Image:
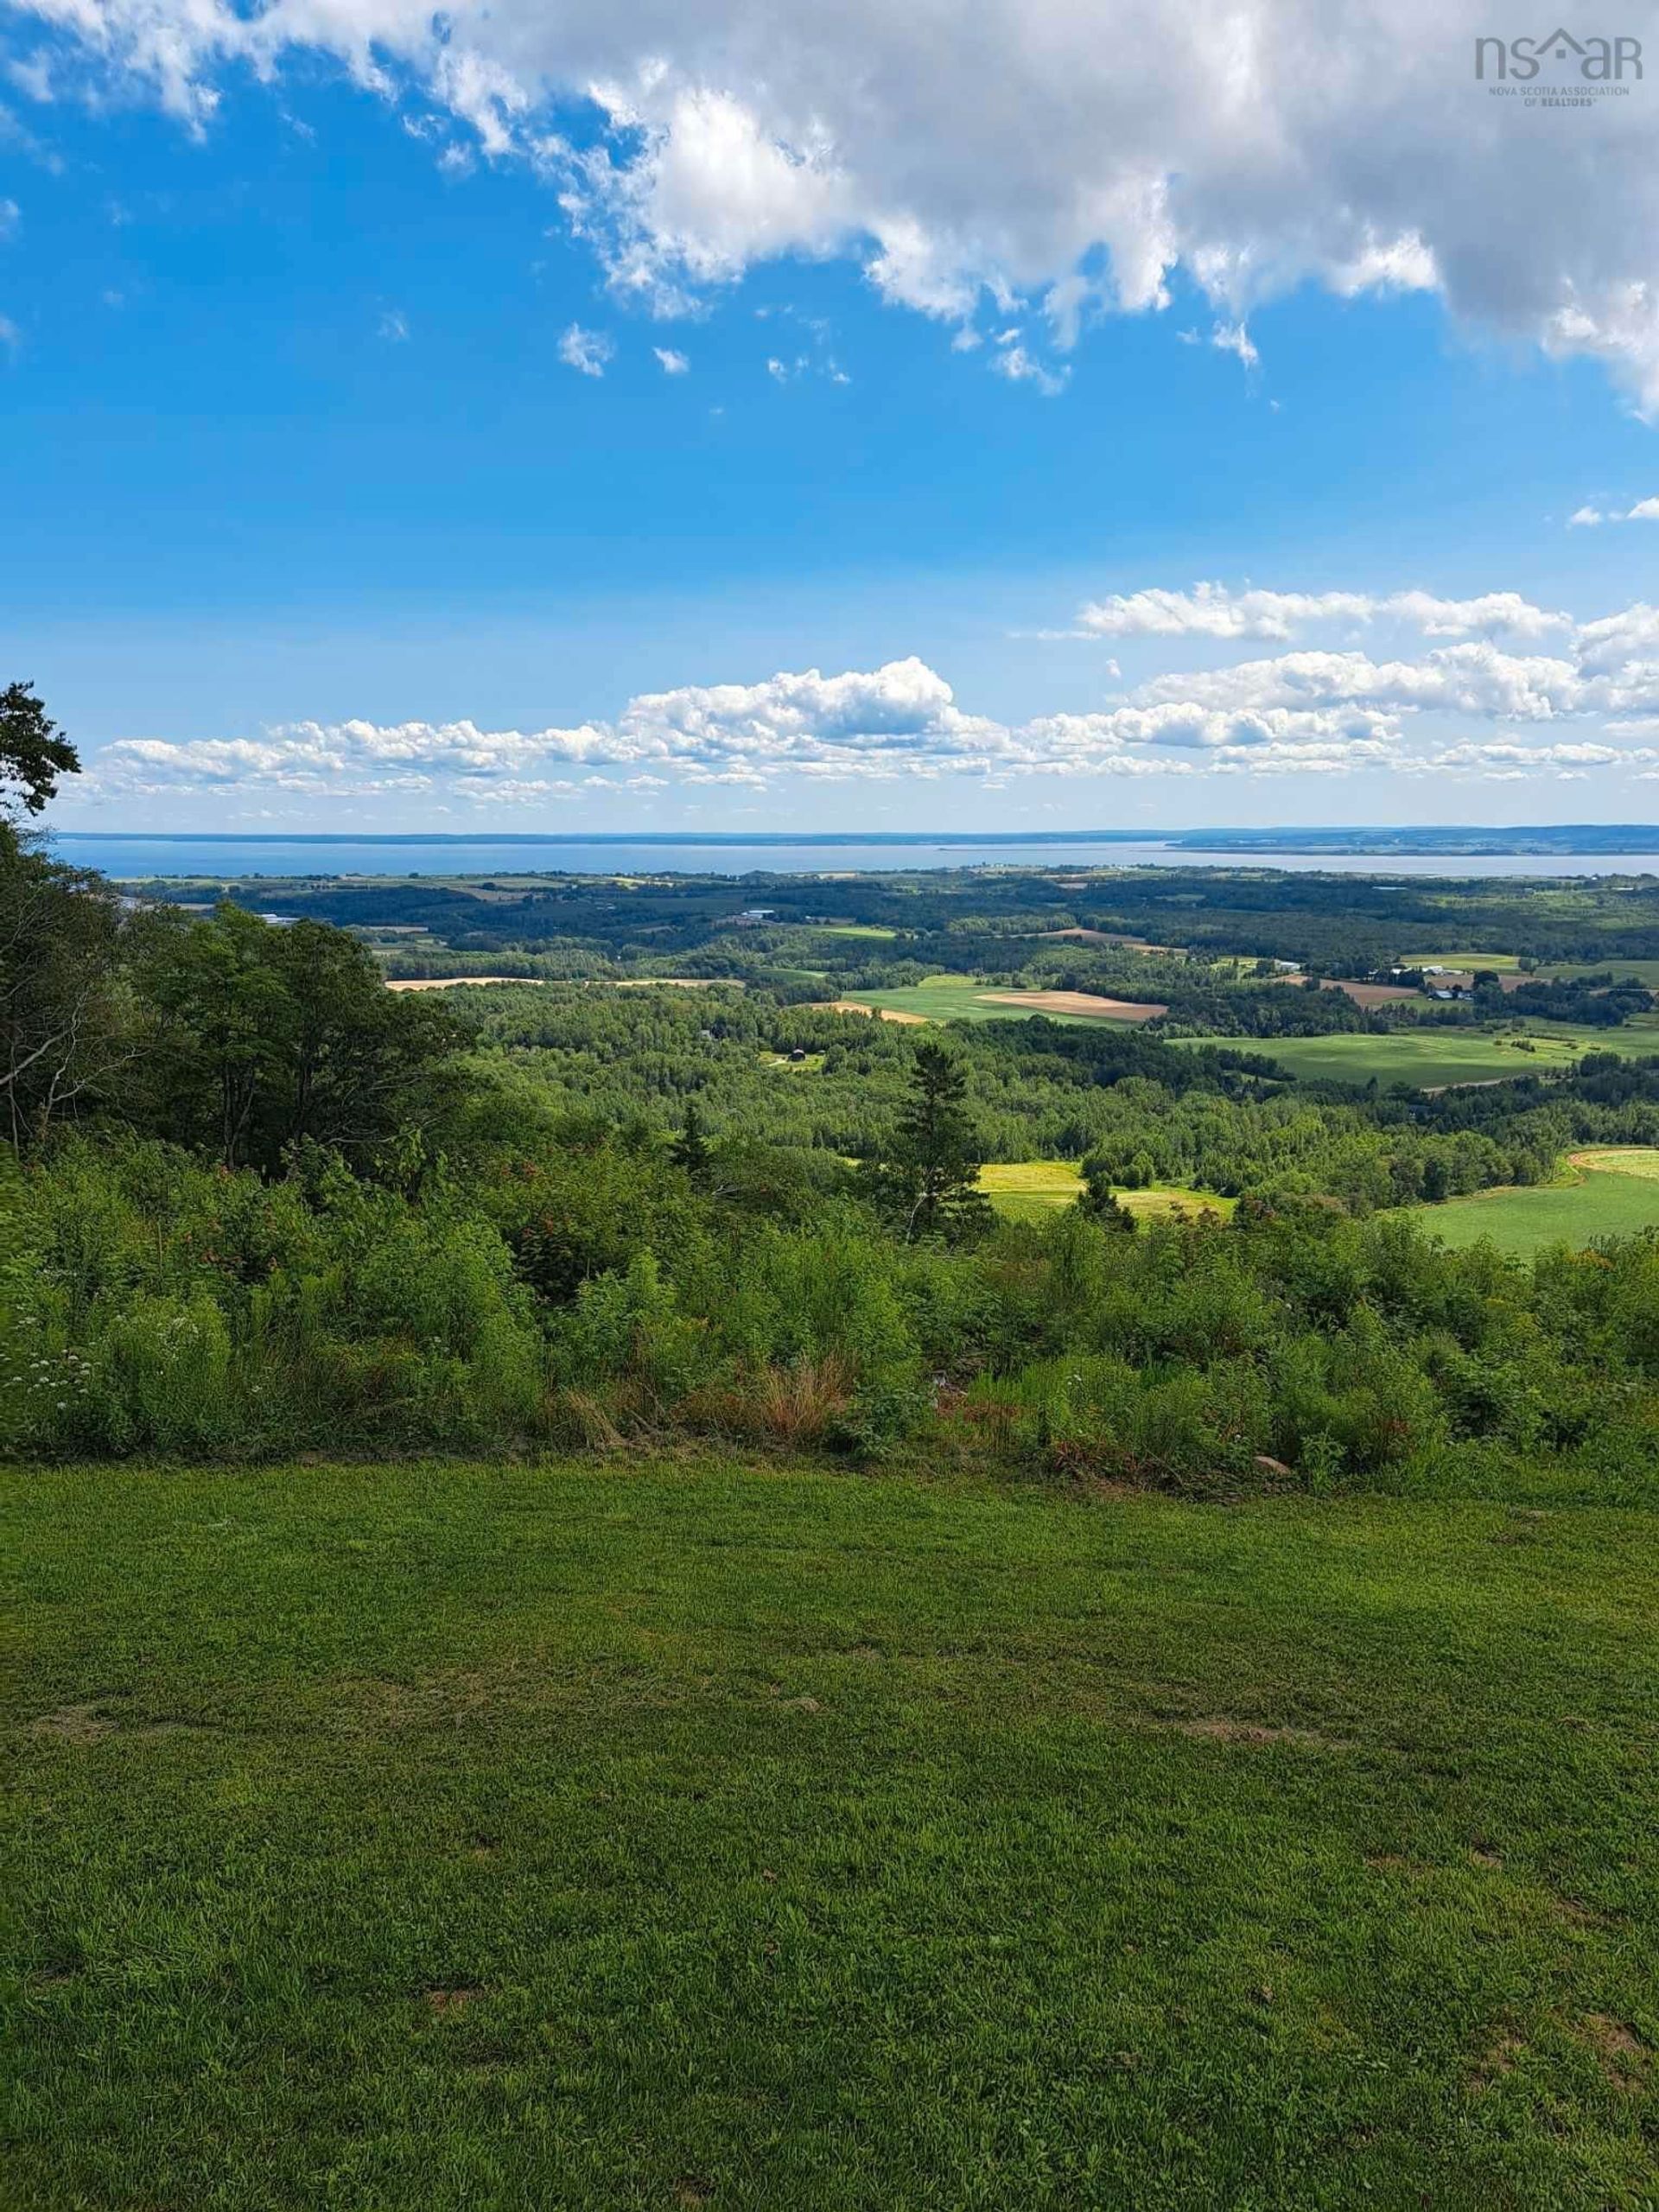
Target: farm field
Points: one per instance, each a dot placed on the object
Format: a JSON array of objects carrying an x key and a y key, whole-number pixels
[
  {"x": 1616, "y": 1193},
  {"x": 1430, "y": 1058},
  {"x": 451, "y": 982},
  {"x": 957, "y": 998},
  {"x": 1028, "y": 1190},
  {"x": 698, "y": 1834},
  {"x": 1645, "y": 971}
]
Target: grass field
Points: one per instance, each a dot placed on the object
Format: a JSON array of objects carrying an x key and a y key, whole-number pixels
[
  {"x": 666, "y": 1836},
  {"x": 1028, "y": 1190},
  {"x": 1429, "y": 1058},
  {"x": 1615, "y": 1193},
  {"x": 1645, "y": 971},
  {"x": 960, "y": 998}
]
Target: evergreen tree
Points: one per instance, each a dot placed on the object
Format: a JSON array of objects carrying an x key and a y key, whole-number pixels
[
  {"x": 931, "y": 1182},
  {"x": 690, "y": 1150},
  {"x": 1099, "y": 1202}
]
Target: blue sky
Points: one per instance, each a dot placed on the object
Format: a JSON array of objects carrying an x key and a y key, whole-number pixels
[{"x": 301, "y": 453}]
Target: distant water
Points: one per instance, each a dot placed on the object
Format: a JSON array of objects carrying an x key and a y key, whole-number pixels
[{"x": 242, "y": 856}]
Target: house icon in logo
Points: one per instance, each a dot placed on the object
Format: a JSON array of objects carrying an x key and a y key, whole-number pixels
[{"x": 1600, "y": 60}]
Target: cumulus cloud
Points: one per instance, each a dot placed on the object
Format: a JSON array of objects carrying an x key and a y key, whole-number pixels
[
  {"x": 1000, "y": 151},
  {"x": 1461, "y": 708},
  {"x": 1212, "y": 610},
  {"x": 672, "y": 364},
  {"x": 586, "y": 351}
]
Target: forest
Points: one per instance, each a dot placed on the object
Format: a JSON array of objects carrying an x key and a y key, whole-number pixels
[{"x": 256, "y": 1201}]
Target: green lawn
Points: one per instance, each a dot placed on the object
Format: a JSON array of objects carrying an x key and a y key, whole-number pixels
[
  {"x": 688, "y": 1835},
  {"x": 1616, "y": 1193},
  {"x": 1426, "y": 1057},
  {"x": 1029, "y": 1190}
]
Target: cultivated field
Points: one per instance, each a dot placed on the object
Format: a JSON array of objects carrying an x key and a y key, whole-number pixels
[
  {"x": 673, "y": 1835},
  {"x": 957, "y": 998},
  {"x": 450, "y": 982},
  {"x": 1615, "y": 1192}
]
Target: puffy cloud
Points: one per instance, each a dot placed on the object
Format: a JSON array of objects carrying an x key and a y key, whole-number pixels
[
  {"x": 1212, "y": 610},
  {"x": 673, "y": 364},
  {"x": 1001, "y": 149},
  {"x": 1306, "y": 711}
]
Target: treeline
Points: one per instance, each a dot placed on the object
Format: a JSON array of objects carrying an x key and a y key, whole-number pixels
[{"x": 223, "y": 1033}]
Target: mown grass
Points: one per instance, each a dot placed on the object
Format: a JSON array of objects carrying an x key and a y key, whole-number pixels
[
  {"x": 1614, "y": 1192},
  {"x": 958, "y": 998},
  {"x": 677, "y": 1835},
  {"x": 1426, "y": 1058},
  {"x": 1031, "y": 1190}
]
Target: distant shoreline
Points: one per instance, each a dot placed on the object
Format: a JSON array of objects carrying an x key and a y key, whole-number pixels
[{"x": 1588, "y": 840}]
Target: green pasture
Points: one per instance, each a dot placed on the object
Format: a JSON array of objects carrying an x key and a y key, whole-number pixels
[
  {"x": 1427, "y": 1057},
  {"x": 1614, "y": 1192}
]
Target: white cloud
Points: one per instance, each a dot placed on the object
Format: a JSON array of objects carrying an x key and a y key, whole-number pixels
[
  {"x": 673, "y": 364},
  {"x": 1032, "y": 151},
  {"x": 1212, "y": 610},
  {"x": 1234, "y": 338},
  {"x": 1587, "y": 518},
  {"x": 33, "y": 77},
  {"x": 393, "y": 327},
  {"x": 586, "y": 351},
  {"x": 1012, "y": 360},
  {"x": 1454, "y": 708}
]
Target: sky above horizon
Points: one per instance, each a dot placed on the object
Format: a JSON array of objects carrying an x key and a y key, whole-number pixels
[{"x": 1011, "y": 418}]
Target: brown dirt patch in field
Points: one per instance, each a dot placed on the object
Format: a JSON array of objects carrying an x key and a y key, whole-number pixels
[
  {"x": 449, "y": 982},
  {"x": 1362, "y": 994},
  {"x": 1370, "y": 993},
  {"x": 450, "y": 2000},
  {"x": 1498, "y": 2059},
  {"x": 74, "y": 1723},
  {"x": 886, "y": 1013},
  {"x": 1084, "y": 1002},
  {"x": 1215, "y": 1729},
  {"x": 1623, "y": 2054}
]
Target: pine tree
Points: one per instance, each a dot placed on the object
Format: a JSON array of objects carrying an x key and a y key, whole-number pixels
[
  {"x": 690, "y": 1150},
  {"x": 931, "y": 1181},
  {"x": 1101, "y": 1203}
]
